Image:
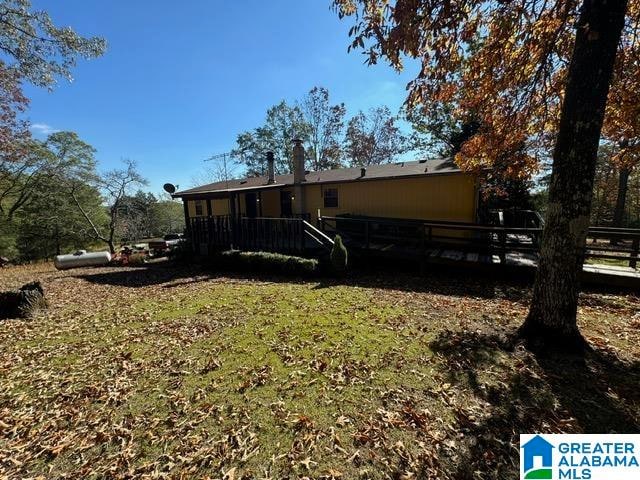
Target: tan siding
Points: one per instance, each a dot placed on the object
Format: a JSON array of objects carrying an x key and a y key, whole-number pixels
[
  {"x": 220, "y": 206},
  {"x": 270, "y": 202},
  {"x": 242, "y": 205},
  {"x": 192, "y": 208},
  {"x": 442, "y": 197}
]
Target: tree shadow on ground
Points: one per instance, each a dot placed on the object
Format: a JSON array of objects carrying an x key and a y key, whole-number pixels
[
  {"x": 439, "y": 280},
  {"x": 506, "y": 390},
  {"x": 173, "y": 274},
  {"x": 146, "y": 276}
]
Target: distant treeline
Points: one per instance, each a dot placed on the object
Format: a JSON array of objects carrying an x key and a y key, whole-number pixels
[{"x": 53, "y": 201}]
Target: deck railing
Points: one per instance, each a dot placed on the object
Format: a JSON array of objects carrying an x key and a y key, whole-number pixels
[
  {"x": 410, "y": 237},
  {"x": 293, "y": 235},
  {"x": 418, "y": 237},
  {"x": 609, "y": 243}
]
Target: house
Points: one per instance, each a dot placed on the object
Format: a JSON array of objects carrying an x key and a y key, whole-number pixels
[
  {"x": 425, "y": 210},
  {"x": 537, "y": 447},
  {"x": 433, "y": 190}
]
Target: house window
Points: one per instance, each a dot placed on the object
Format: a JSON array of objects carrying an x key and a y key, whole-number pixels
[
  {"x": 199, "y": 208},
  {"x": 330, "y": 198}
]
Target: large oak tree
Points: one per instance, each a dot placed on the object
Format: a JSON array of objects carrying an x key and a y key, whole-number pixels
[
  {"x": 282, "y": 125},
  {"x": 536, "y": 73},
  {"x": 325, "y": 124},
  {"x": 373, "y": 138},
  {"x": 32, "y": 49}
]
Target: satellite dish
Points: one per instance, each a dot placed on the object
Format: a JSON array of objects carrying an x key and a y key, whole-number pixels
[{"x": 169, "y": 188}]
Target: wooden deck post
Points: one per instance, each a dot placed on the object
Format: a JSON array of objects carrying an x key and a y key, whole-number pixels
[
  {"x": 233, "y": 221},
  {"x": 301, "y": 231},
  {"x": 423, "y": 249},
  {"x": 635, "y": 246},
  {"x": 187, "y": 220},
  {"x": 367, "y": 240},
  {"x": 503, "y": 246}
]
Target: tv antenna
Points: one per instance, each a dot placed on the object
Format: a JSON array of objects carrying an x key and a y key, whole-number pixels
[{"x": 223, "y": 157}]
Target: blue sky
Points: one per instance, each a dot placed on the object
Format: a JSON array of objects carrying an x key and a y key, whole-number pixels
[{"x": 181, "y": 79}]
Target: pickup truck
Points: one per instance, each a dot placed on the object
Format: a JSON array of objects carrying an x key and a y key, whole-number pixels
[{"x": 162, "y": 246}]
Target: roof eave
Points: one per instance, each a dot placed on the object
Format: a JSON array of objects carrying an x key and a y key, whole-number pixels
[
  {"x": 188, "y": 193},
  {"x": 350, "y": 180}
]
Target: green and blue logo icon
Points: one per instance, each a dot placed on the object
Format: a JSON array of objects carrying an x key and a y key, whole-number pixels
[{"x": 536, "y": 459}]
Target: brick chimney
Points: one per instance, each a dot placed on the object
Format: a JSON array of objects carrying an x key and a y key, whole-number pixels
[
  {"x": 298, "y": 162},
  {"x": 271, "y": 169},
  {"x": 298, "y": 178}
]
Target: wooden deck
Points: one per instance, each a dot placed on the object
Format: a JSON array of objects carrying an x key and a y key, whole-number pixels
[
  {"x": 451, "y": 243},
  {"x": 293, "y": 236},
  {"x": 484, "y": 246},
  {"x": 516, "y": 263}
]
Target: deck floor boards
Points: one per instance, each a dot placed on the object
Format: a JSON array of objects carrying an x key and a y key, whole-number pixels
[{"x": 593, "y": 273}]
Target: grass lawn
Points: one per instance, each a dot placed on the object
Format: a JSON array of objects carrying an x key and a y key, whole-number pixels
[
  {"x": 623, "y": 262},
  {"x": 159, "y": 372}
]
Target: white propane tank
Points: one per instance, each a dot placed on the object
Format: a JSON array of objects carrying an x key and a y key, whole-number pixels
[{"x": 81, "y": 259}]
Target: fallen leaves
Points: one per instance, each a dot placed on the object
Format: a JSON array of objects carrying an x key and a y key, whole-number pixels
[
  {"x": 256, "y": 378},
  {"x": 141, "y": 373}
]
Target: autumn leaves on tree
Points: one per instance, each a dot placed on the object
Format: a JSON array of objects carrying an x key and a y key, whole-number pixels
[
  {"x": 536, "y": 76},
  {"x": 51, "y": 197},
  {"x": 506, "y": 85},
  {"x": 35, "y": 51}
]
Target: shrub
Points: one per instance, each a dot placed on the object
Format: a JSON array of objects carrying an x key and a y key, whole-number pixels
[
  {"x": 266, "y": 262},
  {"x": 339, "y": 256}
]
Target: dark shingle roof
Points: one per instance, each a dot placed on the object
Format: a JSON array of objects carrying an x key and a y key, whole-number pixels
[{"x": 390, "y": 170}]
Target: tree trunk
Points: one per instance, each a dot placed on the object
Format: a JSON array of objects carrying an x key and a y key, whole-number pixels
[
  {"x": 23, "y": 303},
  {"x": 112, "y": 233},
  {"x": 551, "y": 322},
  {"x": 621, "y": 199}
]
